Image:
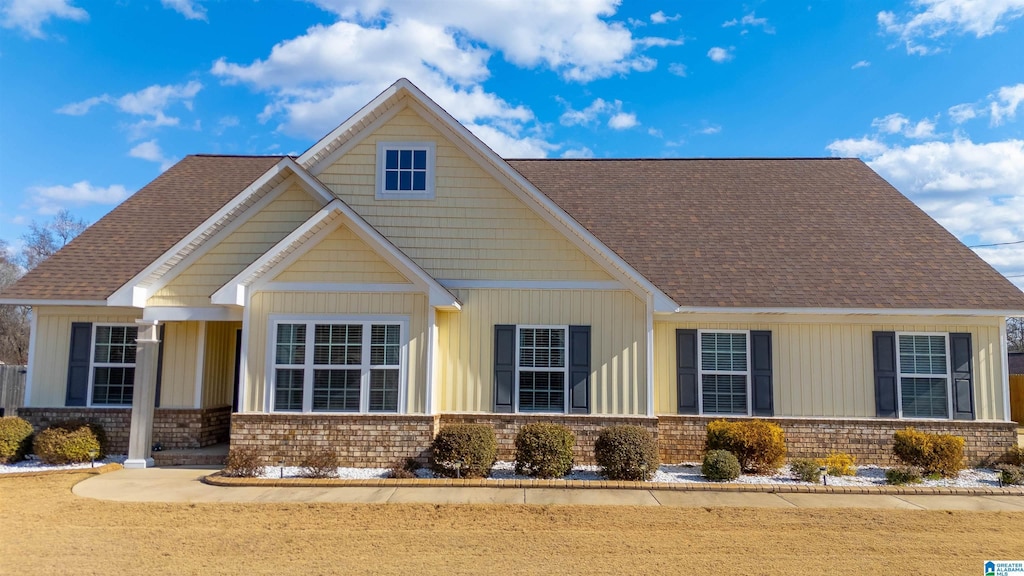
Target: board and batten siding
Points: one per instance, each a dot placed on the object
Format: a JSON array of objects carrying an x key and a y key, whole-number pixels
[
  {"x": 823, "y": 365},
  {"x": 53, "y": 340},
  {"x": 618, "y": 344},
  {"x": 181, "y": 355},
  {"x": 194, "y": 285},
  {"x": 356, "y": 304},
  {"x": 341, "y": 257},
  {"x": 219, "y": 363},
  {"x": 474, "y": 229}
]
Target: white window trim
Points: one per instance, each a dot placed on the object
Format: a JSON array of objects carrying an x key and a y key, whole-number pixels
[
  {"x": 428, "y": 194},
  {"x": 900, "y": 376},
  {"x": 565, "y": 368},
  {"x": 93, "y": 365},
  {"x": 310, "y": 320},
  {"x": 701, "y": 371}
]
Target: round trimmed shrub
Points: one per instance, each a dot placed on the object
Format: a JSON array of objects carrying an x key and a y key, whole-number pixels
[
  {"x": 759, "y": 446},
  {"x": 464, "y": 450},
  {"x": 544, "y": 450},
  {"x": 320, "y": 464},
  {"x": 244, "y": 462},
  {"x": 805, "y": 469},
  {"x": 15, "y": 439},
  {"x": 626, "y": 452},
  {"x": 68, "y": 443},
  {"x": 900, "y": 475},
  {"x": 1010, "y": 474},
  {"x": 720, "y": 466},
  {"x": 941, "y": 454}
]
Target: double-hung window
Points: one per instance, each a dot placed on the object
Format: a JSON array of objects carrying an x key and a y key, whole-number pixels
[
  {"x": 541, "y": 368},
  {"x": 923, "y": 368},
  {"x": 348, "y": 366},
  {"x": 724, "y": 372},
  {"x": 405, "y": 170},
  {"x": 113, "y": 364}
]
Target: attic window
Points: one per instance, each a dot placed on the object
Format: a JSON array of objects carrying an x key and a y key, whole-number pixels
[{"x": 405, "y": 171}]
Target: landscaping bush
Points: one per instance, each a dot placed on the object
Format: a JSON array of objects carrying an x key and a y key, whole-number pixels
[
  {"x": 244, "y": 462},
  {"x": 806, "y": 469},
  {"x": 405, "y": 469},
  {"x": 544, "y": 450},
  {"x": 840, "y": 464},
  {"x": 1014, "y": 456},
  {"x": 626, "y": 452},
  {"x": 759, "y": 446},
  {"x": 900, "y": 475},
  {"x": 1010, "y": 474},
  {"x": 15, "y": 439},
  {"x": 320, "y": 464},
  {"x": 472, "y": 445},
  {"x": 941, "y": 454},
  {"x": 69, "y": 443},
  {"x": 720, "y": 466}
]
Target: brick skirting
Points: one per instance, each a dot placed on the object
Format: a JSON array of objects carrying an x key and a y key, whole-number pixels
[
  {"x": 172, "y": 427},
  {"x": 681, "y": 438}
]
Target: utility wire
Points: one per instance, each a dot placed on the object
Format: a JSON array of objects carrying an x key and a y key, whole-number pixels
[{"x": 999, "y": 244}]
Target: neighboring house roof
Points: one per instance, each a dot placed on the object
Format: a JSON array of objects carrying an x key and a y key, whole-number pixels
[
  {"x": 772, "y": 233},
  {"x": 1016, "y": 362},
  {"x": 143, "y": 227}
]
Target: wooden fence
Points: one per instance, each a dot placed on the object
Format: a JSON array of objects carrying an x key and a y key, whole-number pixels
[
  {"x": 12, "y": 388},
  {"x": 1017, "y": 398}
]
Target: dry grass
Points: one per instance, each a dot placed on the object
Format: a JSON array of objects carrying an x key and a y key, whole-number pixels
[{"x": 44, "y": 529}]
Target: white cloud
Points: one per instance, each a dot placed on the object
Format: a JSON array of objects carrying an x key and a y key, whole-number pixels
[
  {"x": 83, "y": 107},
  {"x": 151, "y": 101},
  {"x": 719, "y": 55},
  {"x": 622, "y": 121},
  {"x": 659, "y": 17},
  {"x": 51, "y": 199},
  {"x": 677, "y": 69},
  {"x": 933, "y": 19},
  {"x": 151, "y": 151},
  {"x": 856, "y": 147},
  {"x": 710, "y": 130},
  {"x": 583, "y": 152},
  {"x": 860, "y": 64},
  {"x": 891, "y": 124},
  {"x": 923, "y": 129},
  {"x": 750, "y": 20},
  {"x": 190, "y": 9},
  {"x": 1008, "y": 98},
  {"x": 962, "y": 113},
  {"x": 30, "y": 15},
  {"x": 512, "y": 145}
]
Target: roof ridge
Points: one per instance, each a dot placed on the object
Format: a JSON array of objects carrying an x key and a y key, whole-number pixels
[
  {"x": 726, "y": 158},
  {"x": 240, "y": 155}
]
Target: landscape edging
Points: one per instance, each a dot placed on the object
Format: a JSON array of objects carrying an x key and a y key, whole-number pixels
[{"x": 103, "y": 469}]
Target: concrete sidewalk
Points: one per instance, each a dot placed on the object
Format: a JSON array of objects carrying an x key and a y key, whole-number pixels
[{"x": 181, "y": 484}]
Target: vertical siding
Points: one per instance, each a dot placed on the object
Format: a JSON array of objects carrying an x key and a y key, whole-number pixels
[
  {"x": 341, "y": 257},
  {"x": 193, "y": 286},
  {"x": 219, "y": 364},
  {"x": 263, "y": 304},
  {"x": 178, "y": 383},
  {"x": 473, "y": 229},
  {"x": 822, "y": 365},
  {"x": 618, "y": 341},
  {"x": 53, "y": 338}
]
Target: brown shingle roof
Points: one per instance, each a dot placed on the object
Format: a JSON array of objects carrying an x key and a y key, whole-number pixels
[
  {"x": 137, "y": 232},
  {"x": 828, "y": 233}
]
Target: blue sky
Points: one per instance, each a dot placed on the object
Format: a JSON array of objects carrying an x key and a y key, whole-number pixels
[{"x": 98, "y": 97}]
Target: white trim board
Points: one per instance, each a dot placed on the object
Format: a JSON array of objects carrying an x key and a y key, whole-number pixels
[
  {"x": 534, "y": 284},
  {"x": 842, "y": 311},
  {"x": 185, "y": 314},
  {"x": 33, "y": 302}
]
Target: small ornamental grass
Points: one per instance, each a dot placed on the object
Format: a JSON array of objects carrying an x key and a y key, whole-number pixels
[
  {"x": 244, "y": 462},
  {"x": 941, "y": 454},
  {"x": 15, "y": 439},
  {"x": 320, "y": 464},
  {"x": 464, "y": 450},
  {"x": 900, "y": 475},
  {"x": 805, "y": 469},
  {"x": 626, "y": 452},
  {"x": 70, "y": 443},
  {"x": 720, "y": 466},
  {"x": 544, "y": 450},
  {"x": 759, "y": 446},
  {"x": 840, "y": 464}
]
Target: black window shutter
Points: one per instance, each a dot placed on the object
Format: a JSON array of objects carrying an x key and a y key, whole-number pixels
[
  {"x": 579, "y": 369},
  {"x": 78, "y": 364},
  {"x": 963, "y": 375},
  {"x": 504, "y": 366},
  {"x": 885, "y": 374},
  {"x": 761, "y": 372},
  {"x": 686, "y": 371},
  {"x": 159, "y": 364}
]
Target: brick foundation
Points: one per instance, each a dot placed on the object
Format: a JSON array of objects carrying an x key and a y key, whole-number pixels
[
  {"x": 681, "y": 438},
  {"x": 172, "y": 428}
]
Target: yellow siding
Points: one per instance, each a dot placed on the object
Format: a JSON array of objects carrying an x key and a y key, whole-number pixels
[
  {"x": 53, "y": 339},
  {"x": 823, "y": 365},
  {"x": 219, "y": 364},
  {"x": 178, "y": 382},
  {"x": 193, "y": 286},
  {"x": 474, "y": 229},
  {"x": 618, "y": 344},
  {"x": 341, "y": 257},
  {"x": 263, "y": 304}
]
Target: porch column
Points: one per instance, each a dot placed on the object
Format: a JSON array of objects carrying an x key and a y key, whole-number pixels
[{"x": 140, "y": 438}]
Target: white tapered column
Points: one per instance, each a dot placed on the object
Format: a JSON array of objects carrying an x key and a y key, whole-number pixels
[{"x": 140, "y": 439}]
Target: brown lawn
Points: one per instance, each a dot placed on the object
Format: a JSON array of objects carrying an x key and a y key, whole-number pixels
[{"x": 45, "y": 529}]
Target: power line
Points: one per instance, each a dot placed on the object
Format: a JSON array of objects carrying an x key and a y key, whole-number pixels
[{"x": 999, "y": 244}]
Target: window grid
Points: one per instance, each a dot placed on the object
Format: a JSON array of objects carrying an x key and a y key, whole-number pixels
[
  {"x": 113, "y": 365},
  {"x": 923, "y": 376},
  {"x": 724, "y": 372},
  {"x": 542, "y": 372},
  {"x": 405, "y": 170}
]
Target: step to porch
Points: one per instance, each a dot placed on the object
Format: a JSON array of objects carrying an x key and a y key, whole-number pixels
[{"x": 213, "y": 455}]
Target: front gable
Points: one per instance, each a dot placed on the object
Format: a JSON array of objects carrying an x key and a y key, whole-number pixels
[{"x": 341, "y": 257}]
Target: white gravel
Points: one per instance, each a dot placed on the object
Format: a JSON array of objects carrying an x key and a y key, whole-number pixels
[{"x": 32, "y": 464}]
